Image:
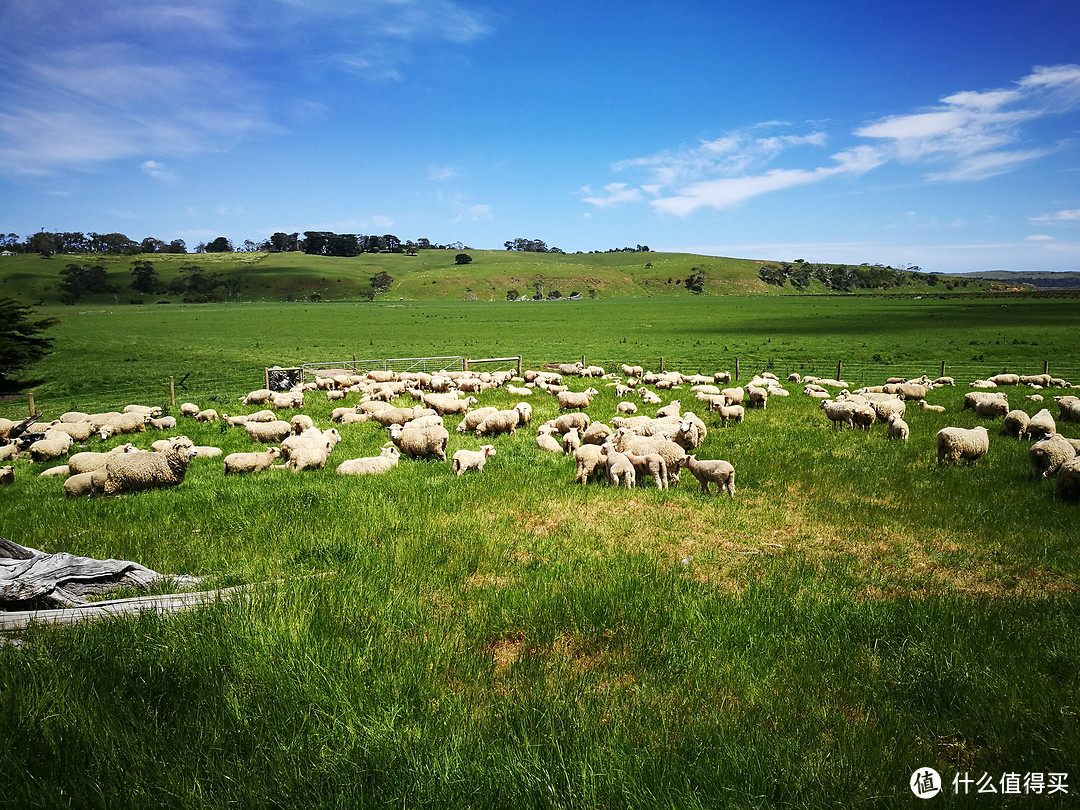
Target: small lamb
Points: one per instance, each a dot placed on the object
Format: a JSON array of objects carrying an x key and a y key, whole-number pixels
[
  {"x": 898, "y": 428},
  {"x": 465, "y": 460},
  {"x": 712, "y": 470},
  {"x": 618, "y": 466}
]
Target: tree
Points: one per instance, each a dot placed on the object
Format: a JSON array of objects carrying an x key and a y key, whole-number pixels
[
  {"x": 462, "y": 258},
  {"x": 176, "y": 246},
  {"x": 146, "y": 279},
  {"x": 21, "y": 342},
  {"x": 220, "y": 245},
  {"x": 284, "y": 242},
  {"x": 381, "y": 281},
  {"x": 76, "y": 280},
  {"x": 151, "y": 245},
  {"x": 512, "y": 295},
  {"x": 695, "y": 282}
]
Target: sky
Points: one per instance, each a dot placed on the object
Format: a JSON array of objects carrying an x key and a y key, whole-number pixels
[{"x": 944, "y": 135}]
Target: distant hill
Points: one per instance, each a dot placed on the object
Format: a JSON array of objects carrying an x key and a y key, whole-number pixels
[
  {"x": 441, "y": 275},
  {"x": 1039, "y": 279}
]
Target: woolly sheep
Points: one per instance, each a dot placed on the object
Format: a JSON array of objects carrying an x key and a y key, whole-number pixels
[
  {"x": 757, "y": 397},
  {"x": 131, "y": 472},
  {"x": 730, "y": 413},
  {"x": 499, "y": 422},
  {"x": 839, "y": 413},
  {"x": 268, "y": 432},
  {"x": 370, "y": 465},
  {"x": 626, "y": 407},
  {"x": 1040, "y": 425},
  {"x": 673, "y": 408},
  {"x": 1068, "y": 408},
  {"x": 648, "y": 397},
  {"x": 673, "y": 454},
  {"x": 448, "y": 404},
  {"x": 189, "y": 409},
  {"x": 972, "y": 398},
  {"x": 1015, "y": 423},
  {"x": 163, "y": 422},
  {"x": 472, "y": 419},
  {"x": 956, "y": 443},
  {"x": 588, "y": 459},
  {"x": 577, "y": 401},
  {"x": 572, "y": 420},
  {"x": 88, "y": 462},
  {"x": 518, "y": 391},
  {"x": 207, "y": 415},
  {"x": 123, "y": 423},
  {"x": 289, "y": 399},
  {"x": 991, "y": 408},
  {"x": 339, "y": 413},
  {"x": 307, "y": 452},
  {"x": 262, "y": 416},
  {"x": 1005, "y": 379},
  {"x": 399, "y": 416},
  {"x": 596, "y": 433},
  {"x": 652, "y": 464},
  {"x": 1048, "y": 454},
  {"x": 260, "y": 396},
  {"x": 1067, "y": 482},
  {"x": 80, "y": 484},
  {"x": 79, "y": 431},
  {"x": 424, "y": 421},
  {"x": 145, "y": 410},
  {"x": 301, "y": 422},
  {"x": 898, "y": 428},
  {"x": 618, "y": 466},
  {"x": 60, "y": 470},
  {"x": 885, "y": 408},
  {"x": 545, "y": 441},
  {"x": 55, "y": 444},
  {"x": 707, "y": 471},
  {"x": 734, "y": 395},
  {"x": 571, "y": 441},
  {"x": 207, "y": 451},
  {"x": 250, "y": 462},
  {"x": 421, "y": 442},
  {"x": 335, "y": 395},
  {"x": 8, "y": 451},
  {"x": 691, "y": 432},
  {"x": 1034, "y": 397},
  {"x": 7, "y": 475},
  {"x": 465, "y": 460},
  {"x": 926, "y": 406},
  {"x": 632, "y": 371},
  {"x": 864, "y": 417}
]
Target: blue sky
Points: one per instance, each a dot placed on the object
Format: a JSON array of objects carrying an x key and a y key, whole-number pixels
[{"x": 940, "y": 134}]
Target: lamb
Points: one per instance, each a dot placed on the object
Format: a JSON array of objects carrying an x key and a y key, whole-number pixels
[
  {"x": 1040, "y": 425},
  {"x": 898, "y": 428},
  {"x": 371, "y": 465},
  {"x": 734, "y": 395},
  {"x": 730, "y": 413},
  {"x": 8, "y": 451},
  {"x": 545, "y": 441},
  {"x": 189, "y": 409},
  {"x": 1067, "y": 482},
  {"x": 673, "y": 408},
  {"x": 421, "y": 442},
  {"x": 1048, "y": 454},
  {"x": 571, "y": 441},
  {"x": 55, "y": 444},
  {"x": 335, "y": 395},
  {"x": 839, "y": 413},
  {"x": 61, "y": 470},
  {"x": 884, "y": 408},
  {"x": 864, "y": 417},
  {"x": 301, "y": 422},
  {"x": 473, "y": 419},
  {"x": 757, "y": 397},
  {"x": 268, "y": 432},
  {"x": 465, "y": 460},
  {"x": 956, "y": 443},
  {"x": 926, "y": 406},
  {"x": 81, "y": 484},
  {"x": 260, "y": 396},
  {"x": 596, "y": 433},
  {"x": 7, "y": 475},
  {"x": 652, "y": 464},
  {"x": 625, "y": 439},
  {"x": 290, "y": 399},
  {"x": 972, "y": 398},
  {"x": 250, "y": 462},
  {"x": 575, "y": 401},
  {"x": 648, "y": 397},
  {"x": 308, "y": 451},
  {"x": 131, "y": 472},
  {"x": 525, "y": 409},
  {"x": 88, "y": 462},
  {"x": 588, "y": 459},
  {"x": 444, "y": 404},
  {"x": 338, "y": 414},
  {"x": 499, "y": 422},
  {"x": 1015, "y": 423},
  {"x": 163, "y": 422},
  {"x": 618, "y": 466},
  {"x": 626, "y": 407},
  {"x": 722, "y": 473}
]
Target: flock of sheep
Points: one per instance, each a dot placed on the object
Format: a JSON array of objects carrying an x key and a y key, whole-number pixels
[{"x": 625, "y": 450}]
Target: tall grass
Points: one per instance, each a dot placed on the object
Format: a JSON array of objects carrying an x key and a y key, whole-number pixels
[{"x": 514, "y": 639}]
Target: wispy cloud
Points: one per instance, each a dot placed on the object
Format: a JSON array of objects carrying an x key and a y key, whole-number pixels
[
  {"x": 1068, "y": 215},
  {"x": 151, "y": 168},
  {"x": 86, "y": 83},
  {"x": 967, "y": 136}
]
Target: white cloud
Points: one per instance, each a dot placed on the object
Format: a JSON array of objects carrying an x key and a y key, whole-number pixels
[
  {"x": 1069, "y": 215},
  {"x": 473, "y": 213},
  {"x": 615, "y": 193},
  {"x": 151, "y": 168},
  {"x": 1038, "y": 237}
]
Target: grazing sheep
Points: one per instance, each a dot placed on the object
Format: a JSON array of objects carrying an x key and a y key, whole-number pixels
[
  {"x": 864, "y": 417},
  {"x": 1048, "y": 454},
  {"x": 618, "y": 466},
  {"x": 757, "y": 397},
  {"x": 571, "y": 441},
  {"x": 145, "y": 410},
  {"x": 730, "y": 413},
  {"x": 884, "y": 408},
  {"x": 991, "y": 408},
  {"x": 926, "y": 406},
  {"x": 1015, "y": 423},
  {"x": 465, "y": 460},
  {"x": 444, "y": 404},
  {"x": 205, "y": 451},
  {"x": 189, "y": 409},
  {"x": 720, "y": 472},
  {"x": 545, "y": 441},
  {"x": 626, "y": 407},
  {"x": 839, "y": 413},
  {"x": 1040, "y": 425},
  {"x": 424, "y": 421},
  {"x": 123, "y": 423},
  {"x": 572, "y": 420},
  {"x": 588, "y": 459},
  {"x": 898, "y": 428},
  {"x": 131, "y": 472},
  {"x": 472, "y": 419},
  {"x": 260, "y": 396},
  {"x": 596, "y": 433},
  {"x": 575, "y": 401},
  {"x": 1067, "y": 482},
  {"x": 370, "y": 465},
  {"x": 301, "y": 422},
  {"x": 7, "y": 475},
  {"x": 673, "y": 454},
  {"x": 335, "y": 395},
  {"x": 1005, "y": 379},
  {"x": 338, "y": 414},
  {"x": 429, "y": 442},
  {"x": 268, "y": 432},
  {"x": 956, "y": 443},
  {"x": 499, "y": 422},
  {"x": 163, "y": 422},
  {"x": 250, "y": 462},
  {"x": 652, "y": 464}
]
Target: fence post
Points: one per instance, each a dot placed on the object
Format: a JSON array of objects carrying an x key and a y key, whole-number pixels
[
  {"x": 519, "y": 365},
  {"x": 172, "y": 392},
  {"x": 464, "y": 364},
  {"x": 1046, "y": 366},
  {"x": 661, "y": 365},
  {"x": 736, "y": 369},
  {"x": 839, "y": 365},
  {"x": 30, "y": 403},
  {"x": 942, "y": 374},
  {"x": 583, "y": 361}
]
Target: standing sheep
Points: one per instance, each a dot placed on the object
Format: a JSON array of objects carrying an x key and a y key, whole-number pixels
[
  {"x": 465, "y": 460},
  {"x": 268, "y": 432},
  {"x": 574, "y": 401},
  {"x": 722, "y": 473},
  {"x": 131, "y": 472},
  {"x": 1015, "y": 423},
  {"x": 898, "y": 428},
  {"x": 956, "y": 443},
  {"x": 1047, "y": 455},
  {"x": 618, "y": 466},
  {"x": 588, "y": 458},
  {"x": 429, "y": 442},
  {"x": 472, "y": 419},
  {"x": 1067, "y": 482},
  {"x": 1040, "y": 425},
  {"x": 499, "y": 422},
  {"x": 652, "y": 464},
  {"x": 672, "y": 453}
]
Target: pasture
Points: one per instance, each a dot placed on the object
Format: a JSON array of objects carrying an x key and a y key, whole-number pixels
[{"x": 512, "y": 639}]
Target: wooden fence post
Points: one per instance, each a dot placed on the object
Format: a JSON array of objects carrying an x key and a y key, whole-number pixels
[
  {"x": 942, "y": 374},
  {"x": 266, "y": 378},
  {"x": 172, "y": 393},
  {"x": 839, "y": 365},
  {"x": 519, "y": 365},
  {"x": 736, "y": 369},
  {"x": 30, "y": 403},
  {"x": 1046, "y": 366},
  {"x": 464, "y": 364},
  {"x": 661, "y": 365}
]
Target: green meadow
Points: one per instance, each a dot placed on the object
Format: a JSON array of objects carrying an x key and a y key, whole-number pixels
[{"x": 513, "y": 639}]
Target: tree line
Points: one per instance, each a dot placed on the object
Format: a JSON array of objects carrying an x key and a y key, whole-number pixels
[{"x": 848, "y": 278}]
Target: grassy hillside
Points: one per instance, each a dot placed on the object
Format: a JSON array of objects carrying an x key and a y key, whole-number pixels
[{"x": 430, "y": 275}]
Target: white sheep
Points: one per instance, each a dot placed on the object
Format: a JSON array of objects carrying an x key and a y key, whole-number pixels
[
  {"x": 1048, "y": 454},
  {"x": 79, "y": 431},
  {"x": 864, "y": 416},
  {"x": 250, "y": 462},
  {"x": 734, "y": 396},
  {"x": 588, "y": 458},
  {"x": 370, "y": 465},
  {"x": 262, "y": 416},
  {"x": 618, "y": 466},
  {"x": 571, "y": 441},
  {"x": 839, "y": 413},
  {"x": 545, "y": 441},
  {"x": 575, "y": 401},
  {"x": 991, "y": 408},
  {"x": 429, "y": 442},
  {"x": 730, "y": 413},
  {"x": 189, "y": 409},
  {"x": 625, "y": 439},
  {"x": 339, "y": 414},
  {"x": 673, "y": 408},
  {"x": 526, "y": 411},
  {"x": 652, "y": 464},
  {"x": 898, "y": 428},
  {"x": 707, "y": 471},
  {"x": 301, "y": 422},
  {"x": 471, "y": 421},
  {"x": 260, "y": 396},
  {"x": 308, "y": 450},
  {"x": 61, "y": 470},
  {"x": 1067, "y": 482},
  {"x": 757, "y": 397},
  {"x": 1040, "y": 425},
  {"x": 572, "y": 420},
  {"x": 131, "y": 472},
  {"x": 465, "y": 460},
  {"x": 926, "y": 406},
  {"x": 88, "y": 461},
  {"x": 122, "y": 424},
  {"x": 7, "y": 475},
  {"x": 626, "y": 407},
  {"x": 81, "y": 484},
  {"x": 499, "y": 422},
  {"x": 163, "y": 422},
  {"x": 55, "y": 444},
  {"x": 596, "y": 433},
  {"x": 399, "y": 416},
  {"x": 1015, "y": 423},
  {"x": 956, "y": 443},
  {"x": 268, "y": 432},
  {"x": 8, "y": 451}
]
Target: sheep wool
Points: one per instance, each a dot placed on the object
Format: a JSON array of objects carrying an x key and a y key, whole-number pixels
[
  {"x": 250, "y": 462},
  {"x": 956, "y": 444},
  {"x": 370, "y": 465},
  {"x": 465, "y": 460},
  {"x": 131, "y": 472},
  {"x": 707, "y": 471}
]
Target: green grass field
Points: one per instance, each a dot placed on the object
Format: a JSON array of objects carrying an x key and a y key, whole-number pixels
[{"x": 511, "y": 639}]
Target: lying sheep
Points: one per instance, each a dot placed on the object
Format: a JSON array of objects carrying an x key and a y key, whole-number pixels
[
  {"x": 472, "y": 419},
  {"x": 617, "y": 466},
  {"x": 1040, "y": 425},
  {"x": 262, "y": 416},
  {"x": 88, "y": 461},
  {"x": 898, "y": 428},
  {"x": 926, "y": 406},
  {"x": 991, "y": 408},
  {"x": 673, "y": 408},
  {"x": 122, "y": 424},
  {"x": 250, "y": 462},
  {"x": 370, "y": 465},
  {"x": 63, "y": 470},
  {"x": 131, "y": 472},
  {"x": 596, "y": 433},
  {"x": 1048, "y": 454},
  {"x": 268, "y": 432},
  {"x": 145, "y": 410},
  {"x": 80, "y": 484},
  {"x": 465, "y": 460},
  {"x": 956, "y": 443},
  {"x": 545, "y": 441},
  {"x": 1067, "y": 482},
  {"x": 429, "y": 442},
  {"x": 7, "y": 475},
  {"x": 289, "y": 399},
  {"x": 707, "y": 471},
  {"x": 399, "y": 416},
  {"x": 626, "y": 407},
  {"x": 339, "y": 414},
  {"x": 260, "y": 396},
  {"x": 55, "y": 444}
]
